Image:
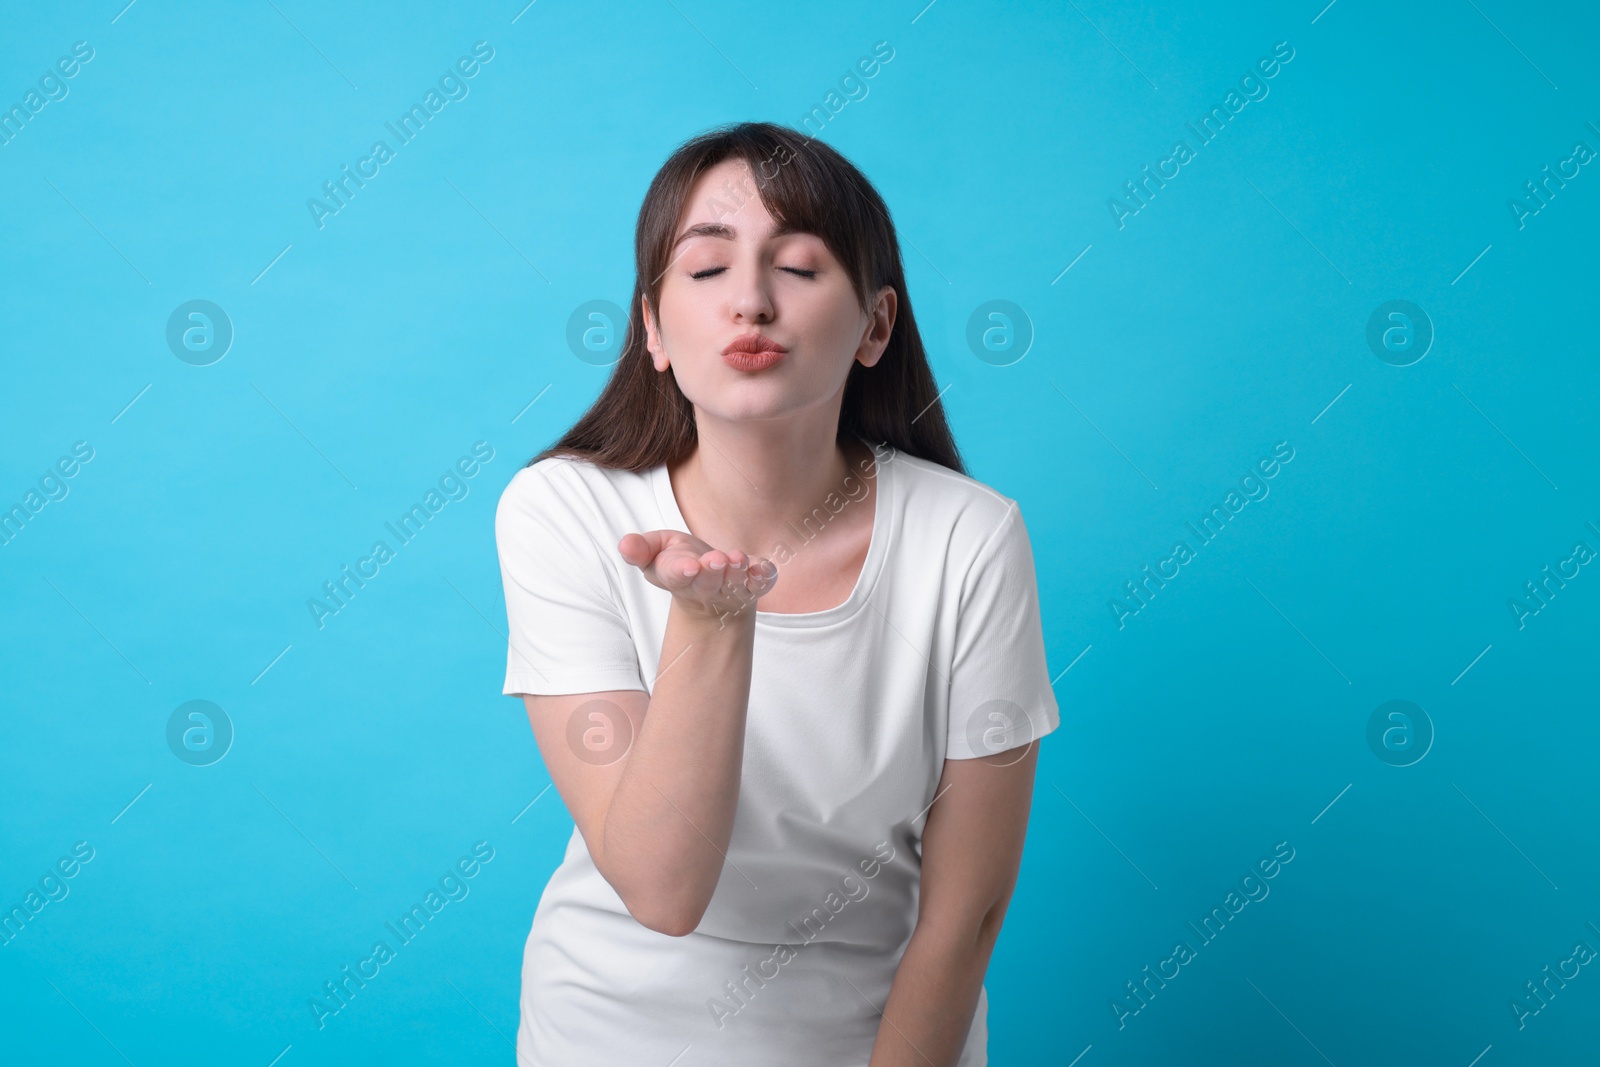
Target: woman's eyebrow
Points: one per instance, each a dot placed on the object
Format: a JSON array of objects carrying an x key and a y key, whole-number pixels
[{"x": 728, "y": 233}]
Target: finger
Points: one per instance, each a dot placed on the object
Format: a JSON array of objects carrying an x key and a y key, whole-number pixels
[
  {"x": 749, "y": 591},
  {"x": 681, "y": 573},
  {"x": 758, "y": 582},
  {"x": 708, "y": 579},
  {"x": 672, "y": 571},
  {"x": 739, "y": 580},
  {"x": 714, "y": 568},
  {"x": 640, "y": 548},
  {"x": 740, "y": 583}
]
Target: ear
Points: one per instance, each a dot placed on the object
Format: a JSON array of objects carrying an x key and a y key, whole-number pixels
[
  {"x": 880, "y": 326},
  {"x": 652, "y": 336}
]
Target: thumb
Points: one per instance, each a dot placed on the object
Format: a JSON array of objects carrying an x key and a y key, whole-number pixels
[{"x": 640, "y": 549}]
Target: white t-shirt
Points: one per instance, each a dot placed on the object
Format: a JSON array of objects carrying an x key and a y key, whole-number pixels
[{"x": 937, "y": 654}]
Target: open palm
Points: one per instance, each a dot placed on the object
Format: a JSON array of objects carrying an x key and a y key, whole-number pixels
[{"x": 703, "y": 578}]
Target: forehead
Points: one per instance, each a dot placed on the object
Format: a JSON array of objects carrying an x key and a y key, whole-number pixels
[
  {"x": 724, "y": 178},
  {"x": 724, "y": 205},
  {"x": 724, "y": 202}
]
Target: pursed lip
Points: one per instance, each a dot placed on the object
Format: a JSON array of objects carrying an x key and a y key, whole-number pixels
[{"x": 753, "y": 344}]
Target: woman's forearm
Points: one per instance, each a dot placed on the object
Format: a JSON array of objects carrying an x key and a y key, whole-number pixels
[
  {"x": 669, "y": 821},
  {"x": 933, "y": 997}
]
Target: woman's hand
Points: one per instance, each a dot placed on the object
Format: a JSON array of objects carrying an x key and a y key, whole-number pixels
[{"x": 705, "y": 580}]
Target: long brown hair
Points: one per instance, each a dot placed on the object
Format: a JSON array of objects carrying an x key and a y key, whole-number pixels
[{"x": 642, "y": 419}]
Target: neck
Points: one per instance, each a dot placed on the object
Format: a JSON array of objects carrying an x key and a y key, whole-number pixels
[{"x": 753, "y": 484}]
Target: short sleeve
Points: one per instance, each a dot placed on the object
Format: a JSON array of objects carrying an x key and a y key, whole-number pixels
[
  {"x": 1000, "y": 691},
  {"x": 567, "y": 632}
]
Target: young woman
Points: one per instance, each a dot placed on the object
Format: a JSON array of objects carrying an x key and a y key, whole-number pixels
[{"x": 781, "y": 655}]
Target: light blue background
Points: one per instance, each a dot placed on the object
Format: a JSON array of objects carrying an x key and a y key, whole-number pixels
[{"x": 1229, "y": 314}]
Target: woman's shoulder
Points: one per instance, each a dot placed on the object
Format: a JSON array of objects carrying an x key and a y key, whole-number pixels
[
  {"x": 970, "y": 526},
  {"x": 933, "y": 495},
  {"x": 569, "y": 487}
]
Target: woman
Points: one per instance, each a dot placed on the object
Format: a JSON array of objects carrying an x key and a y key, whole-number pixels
[{"x": 781, "y": 656}]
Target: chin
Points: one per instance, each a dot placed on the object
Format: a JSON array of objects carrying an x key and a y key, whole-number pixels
[{"x": 755, "y": 405}]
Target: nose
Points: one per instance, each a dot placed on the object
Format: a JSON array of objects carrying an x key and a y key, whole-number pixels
[{"x": 751, "y": 298}]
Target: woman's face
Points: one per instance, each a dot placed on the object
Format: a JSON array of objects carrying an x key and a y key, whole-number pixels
[{"x": 730, "y": 276}]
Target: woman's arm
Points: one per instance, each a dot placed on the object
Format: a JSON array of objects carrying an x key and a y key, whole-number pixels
[
  {"x": 971, "y": 852},
  {"x": 658, "y": 819},
  {"x": 658, "y": 815}
]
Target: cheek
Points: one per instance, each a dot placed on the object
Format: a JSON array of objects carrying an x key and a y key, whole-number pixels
[
  {"x": 835, "y": 325},
  {"x": 682, "y": 320},
  {"x": 689, "y": 343}
]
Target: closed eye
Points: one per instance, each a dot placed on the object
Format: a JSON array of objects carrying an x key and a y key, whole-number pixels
[{"x": 698, "y": 275}]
